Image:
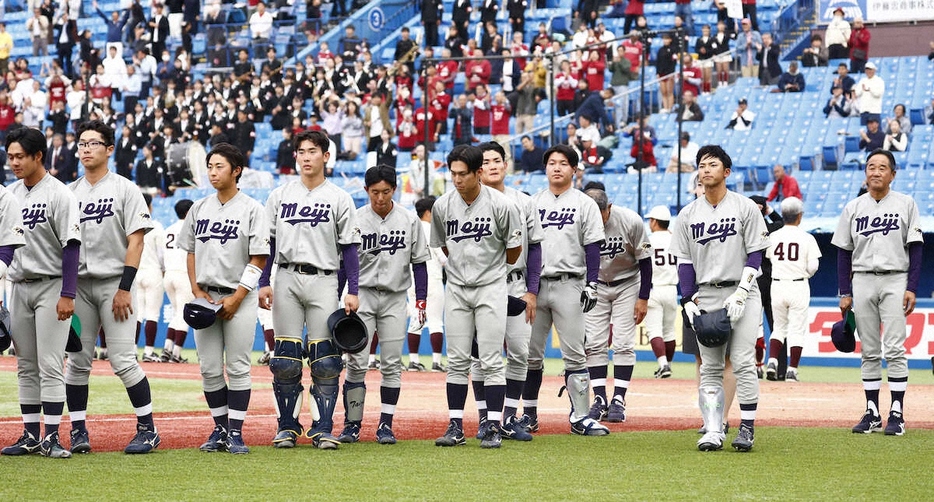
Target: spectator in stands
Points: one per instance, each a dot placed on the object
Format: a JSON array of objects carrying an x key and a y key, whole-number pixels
[
  {"x": 748, "y": 46},
  {"x": 683, "y": 10},
  {"x": 617, "y": 10},
  {"x": 150, "y": 172},
  {"x": 477, "y": 71},
  {"x": 869, "y": 91},
  {"x": 859, "y": 46},
  {"x": 516, "y": 12},
  {"x": 634, "y": 10},
  {"x": 387, "y": 152},
  {"x": 489, "y": 10},
  {"x": 158, "y": 30},
  {"x": 839, "y": 105},
  {"x": 65, "y": 40},
  {"x": 634, "y": 50},
  {"x": 898, "y": 115},
  {"x": 125, "y": 153},
  {"x": 285, "y": 156},
  {"x": 542, "y": 39},
  {"x": 838, "y": 35},
  {"x": 687, "y": 158},
  {"x": 350, "y": 45},
  {"x": 706, "y": 47},
  {"x": 749, "y": 12},
  {"x": 742, "y": 118},
  {"x": 352, "y": 131},
  {"x": 38, "y": 28},
  {"x": 532, "y": 156},
  {"x": 785, "y": 185},
  {"x": 872, "y": 137},
  {"x": 332, "y": 114},
  {"x": 565, "y": 86},
  {"x": 460, "y": 14},
  {"x": 895, "y": 139},
  {"x": 339, "y": 9},
  {"x": 462, "y": 121},
  {"x": 115, "y": 68},
  {"x": 666, "y": 60},
  {"x": 115, "y": 26},
  {"x": 61, "y": 163},
  {"x": 815, "y": 55},
  {"x": 693, "y": 75},
  {"x": 644, "y": 154},
  {"x": 244, "y": 134},
  {"x": 689, "y": 110},
  {"x": 375, "y": 120},
  {"x": 593, "y": 155},
  {"x": 843, "y": 80},
  {"x": 791, "y": 81},
  {"x": 722, "y": 55},
  {"x": 526, "y": 105},
  {"x": 431, "y": 19},
  {"x": 770, "y": 70},
  {"x": 406, "y": 49},
  {"x": 593, "y": 104}
]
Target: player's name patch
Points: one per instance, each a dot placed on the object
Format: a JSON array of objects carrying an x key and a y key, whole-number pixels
[
  {"x": 223, "y": 231},
  {"x": 96, "y": 212},
  {"x": 375, "y": 243},
  {"x": 886, "y": 223},
  {"x": 475, "y": 229},
  {"x": 34, "y": 215},
  {"x": 703, "y": 232},
  {"x": 314, "y": 214},
  {"x": 558, "y": 218}
]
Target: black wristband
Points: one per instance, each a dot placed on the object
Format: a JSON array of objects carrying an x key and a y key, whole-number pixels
[{"x": 129, "y": 275}]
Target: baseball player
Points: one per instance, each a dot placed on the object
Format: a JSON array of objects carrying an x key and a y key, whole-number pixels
[
  {"x": 522, "y": 281},
  {"x": 313, "y": 225},
  {"x": 623, "y": 286},
  {"x": 878, "y": 268},
  {"x": 663, "y": 300},
  {"x": 435, "y": 300},
  {"x": 391, "y": 240},
  {"x": 795, "y": 257},
  {"x": 38, "y": 211},
  {"x": 574, "y": 233},
  {"x": 226, "y": 236},
  {"x": 149, "y": 287},
  {"x": 480, "y": 231},
  {"x": 719, "y": 240},
  {"x": 177, "y": 286},
  {"x": 113, "y": 219}
]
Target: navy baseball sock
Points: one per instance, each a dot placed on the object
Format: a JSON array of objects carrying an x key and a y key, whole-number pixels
[
  {"x": 30, "y": 413},
  {"x": 533, "y": 384},
  {"x": 670, "y": 350},
  {"x": 217, "y": 403},
  {"x": 871, "y": 388},
  {"x": 495, "y": 394},
  {"x": 237, "y": 403},
  {"x": 897, "y": 386},
  {"x": 513, "y": 395},
  {"x": 53, "y": 415},
  {"x": 747, "y": 414},
  {"x": 141, "y": 399},
  {"x": 389, "y": 397},
  {"x": 457, "y": 397},
  {"x": 621, "y": 378},
  {"x": 77, "y": 398},
  {"x": 598, "y": 381},
  {"x": 479, "y": 395}
]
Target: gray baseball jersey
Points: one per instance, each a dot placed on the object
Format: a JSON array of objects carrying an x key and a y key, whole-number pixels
[
  {"x": 878, "y": 233},
  {"x": 223, "y": 237},
  {"x": 533, "y": 227},
  {"x": 175, "y": 258},
  {"x": 569, "y": 221},
  {"x": 50, "y": 220},
  {"x": 307, "y": 223},
  {"x": 476, "y": 235},
  {"x": 626, "y": 243},
  {"x": 718, "y": 239},
  {"x": 109, "y": 211},
  {"x": 11, "y": 220},
  {"x": 388, "y": 246},
  {"x": 664, "y": 264}
]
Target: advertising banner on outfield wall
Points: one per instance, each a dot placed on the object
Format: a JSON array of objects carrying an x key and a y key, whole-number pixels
[{"x": 877, "y": 11}]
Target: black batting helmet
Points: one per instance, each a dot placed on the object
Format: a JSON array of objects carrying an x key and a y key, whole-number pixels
[
  {"x": 713, "y": 328},
  {"x": 348, "y": 331}
]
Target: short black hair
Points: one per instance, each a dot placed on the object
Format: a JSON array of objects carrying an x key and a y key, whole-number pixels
[
  {"x": 468, "y": 154},
  {"x": 492, "y": 146},
  {"x": 318, "y": 138},
  {"x": 382, "y": 172},
  {"x": 31, "y": 140},
  {"x": 230, "y": 153},
  {"x": 886, "y": 153},
  {"x": 565, "y": 150},
  {"x": 424, "y": 204},
  {"x": 182, "y": 207},
  {"x": 716, "y": 152},
  {"x": 598, "y": 185},
  {"x": 106, "y": 132}
]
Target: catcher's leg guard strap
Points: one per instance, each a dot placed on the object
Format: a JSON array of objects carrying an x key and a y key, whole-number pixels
[
  {"x": 323, "y": 399},
  {"x": 286, "y": 368},
  {"x": 578, "y": 387},
  {"x": 354, "y": 396},
  {"x": 711, "y": 401}
]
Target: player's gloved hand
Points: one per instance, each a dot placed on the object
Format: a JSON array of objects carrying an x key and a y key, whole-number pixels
[
  {"x": 421, "y": 315},
  {"x": 589, "y": 297},
  {"x": 735, "y": 304},
  {"x": 690, "y": 310}
]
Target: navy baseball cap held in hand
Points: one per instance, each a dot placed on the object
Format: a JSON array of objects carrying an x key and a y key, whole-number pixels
[
  {"x": 200, "y": 313},
  {"x": 515, "y": 306},
  {"x": 843, "y": 333}
]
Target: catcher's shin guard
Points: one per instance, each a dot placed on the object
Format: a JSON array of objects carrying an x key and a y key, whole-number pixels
[
  {"x": 354, "y": 396},
  {"x": 710, "y": 400},
  {"x": 326, "y": 365},
  {"x": 578, "y": 387},
  {"x": 286, "y": 368}
]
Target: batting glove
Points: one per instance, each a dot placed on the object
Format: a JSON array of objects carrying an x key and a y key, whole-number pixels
[
  {"x": 735, "y": 304},
  {"x": 690, "y": 310},
  {"x": 589, "y": 297},
  {"x": 421, "y": 315}
]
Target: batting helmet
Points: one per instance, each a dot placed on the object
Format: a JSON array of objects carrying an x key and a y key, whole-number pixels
[
  {"x": 201, "y": 313},
  {"x": 74, "y": 335},
  {"x": 5, "y": 338},
  {"x": 713, "y": 328},
  {"x": 515, "y": 306},
  {"x": 348, "y": 331},
  {"x": 843, "y": 333}
]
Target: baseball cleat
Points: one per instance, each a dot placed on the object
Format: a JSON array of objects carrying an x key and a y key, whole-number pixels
[
  {"x": 712, "y": 441},
  {"x": 50, "y": 447},
  {"x": 589, "y": 427},
  {"x": 151, "y": 358},
  {"x": 264, "y": 359},
  {"x": 514, "y": 430},
  {"x": 616, "y": 413},
  {"x": 530, "y": 422},
  {"x": 791, "y": 375},
  {"x": 481, "y": 428},
  {"x": 325, "y": 441},
  {"x": 374, "y": 365},
  {"x": 26, "y": 444},
  {"x": 895, "y": 425},
  {"x": 166, "y": 356},
  {"x": 492, "y": 438},
  {"x": 771, "y": 372},
  {"x": 414, "y": 366},
  {"x": 217, "y": 441},
  {"x": 384, "y": 434},
  {"x": 759, "y": 372},
  {"x": 350, "y": 434},
  {"x": 438, "y": 368},
  {"x": 285, "y": 439},
  {"x": 598, "y": 409},
  {"x": 145, "y": 441},
  {"x": 178, "y": 360},
  {"x": 744, "y": 438},
  {"x": 870, "y": 423},
  {"x": 454, "y": 436},
  {"x": 80, "y": 443},
  {"x": 235, "y": 443},
  {"x": 663, "y": 372}
]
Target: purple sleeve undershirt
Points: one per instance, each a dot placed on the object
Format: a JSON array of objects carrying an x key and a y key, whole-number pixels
[
  {"x": 754, "y": 260},
  {"x": 6, "y": 254},
  {"x": 267, "y": 269},
  {"x": 70, "y": 268},
  {"x": 687, "y": 278},
  {"x": 533, "y": 268},
  {"x": 645, "y": 276},
  {"x": 351, "y": 267},
  {"x": 844, "y": 268},
  {"x": 420, "y": 271},
  {"x": 914, "y": 266},
  {"x": 592, "y": 254}
]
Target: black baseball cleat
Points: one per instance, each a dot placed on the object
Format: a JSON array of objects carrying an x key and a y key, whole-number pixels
[
  {"x": 744, "y": 438},
  {"x": 868, "y": 424},
  {"x": 50, "y": 447},
  {"x": 514, "y": 430},
  {"x": 384, "y": 434},
  {"x": 454, "y": 436},
  {"x": 492, "y": 438},
  {"x": 895, "y": 425},
  {"x": 26, "y": 444},
  {"x": 285, "y": 439},
  {"x": 80, "y": 443},
  {"x": 350, "y": 434},
  {"x": 217, "y": 441}
]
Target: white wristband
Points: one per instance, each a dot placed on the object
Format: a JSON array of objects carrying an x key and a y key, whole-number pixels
[
  {"x": 250, "y": 278},
  {"x": 748, "y": 277}
]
